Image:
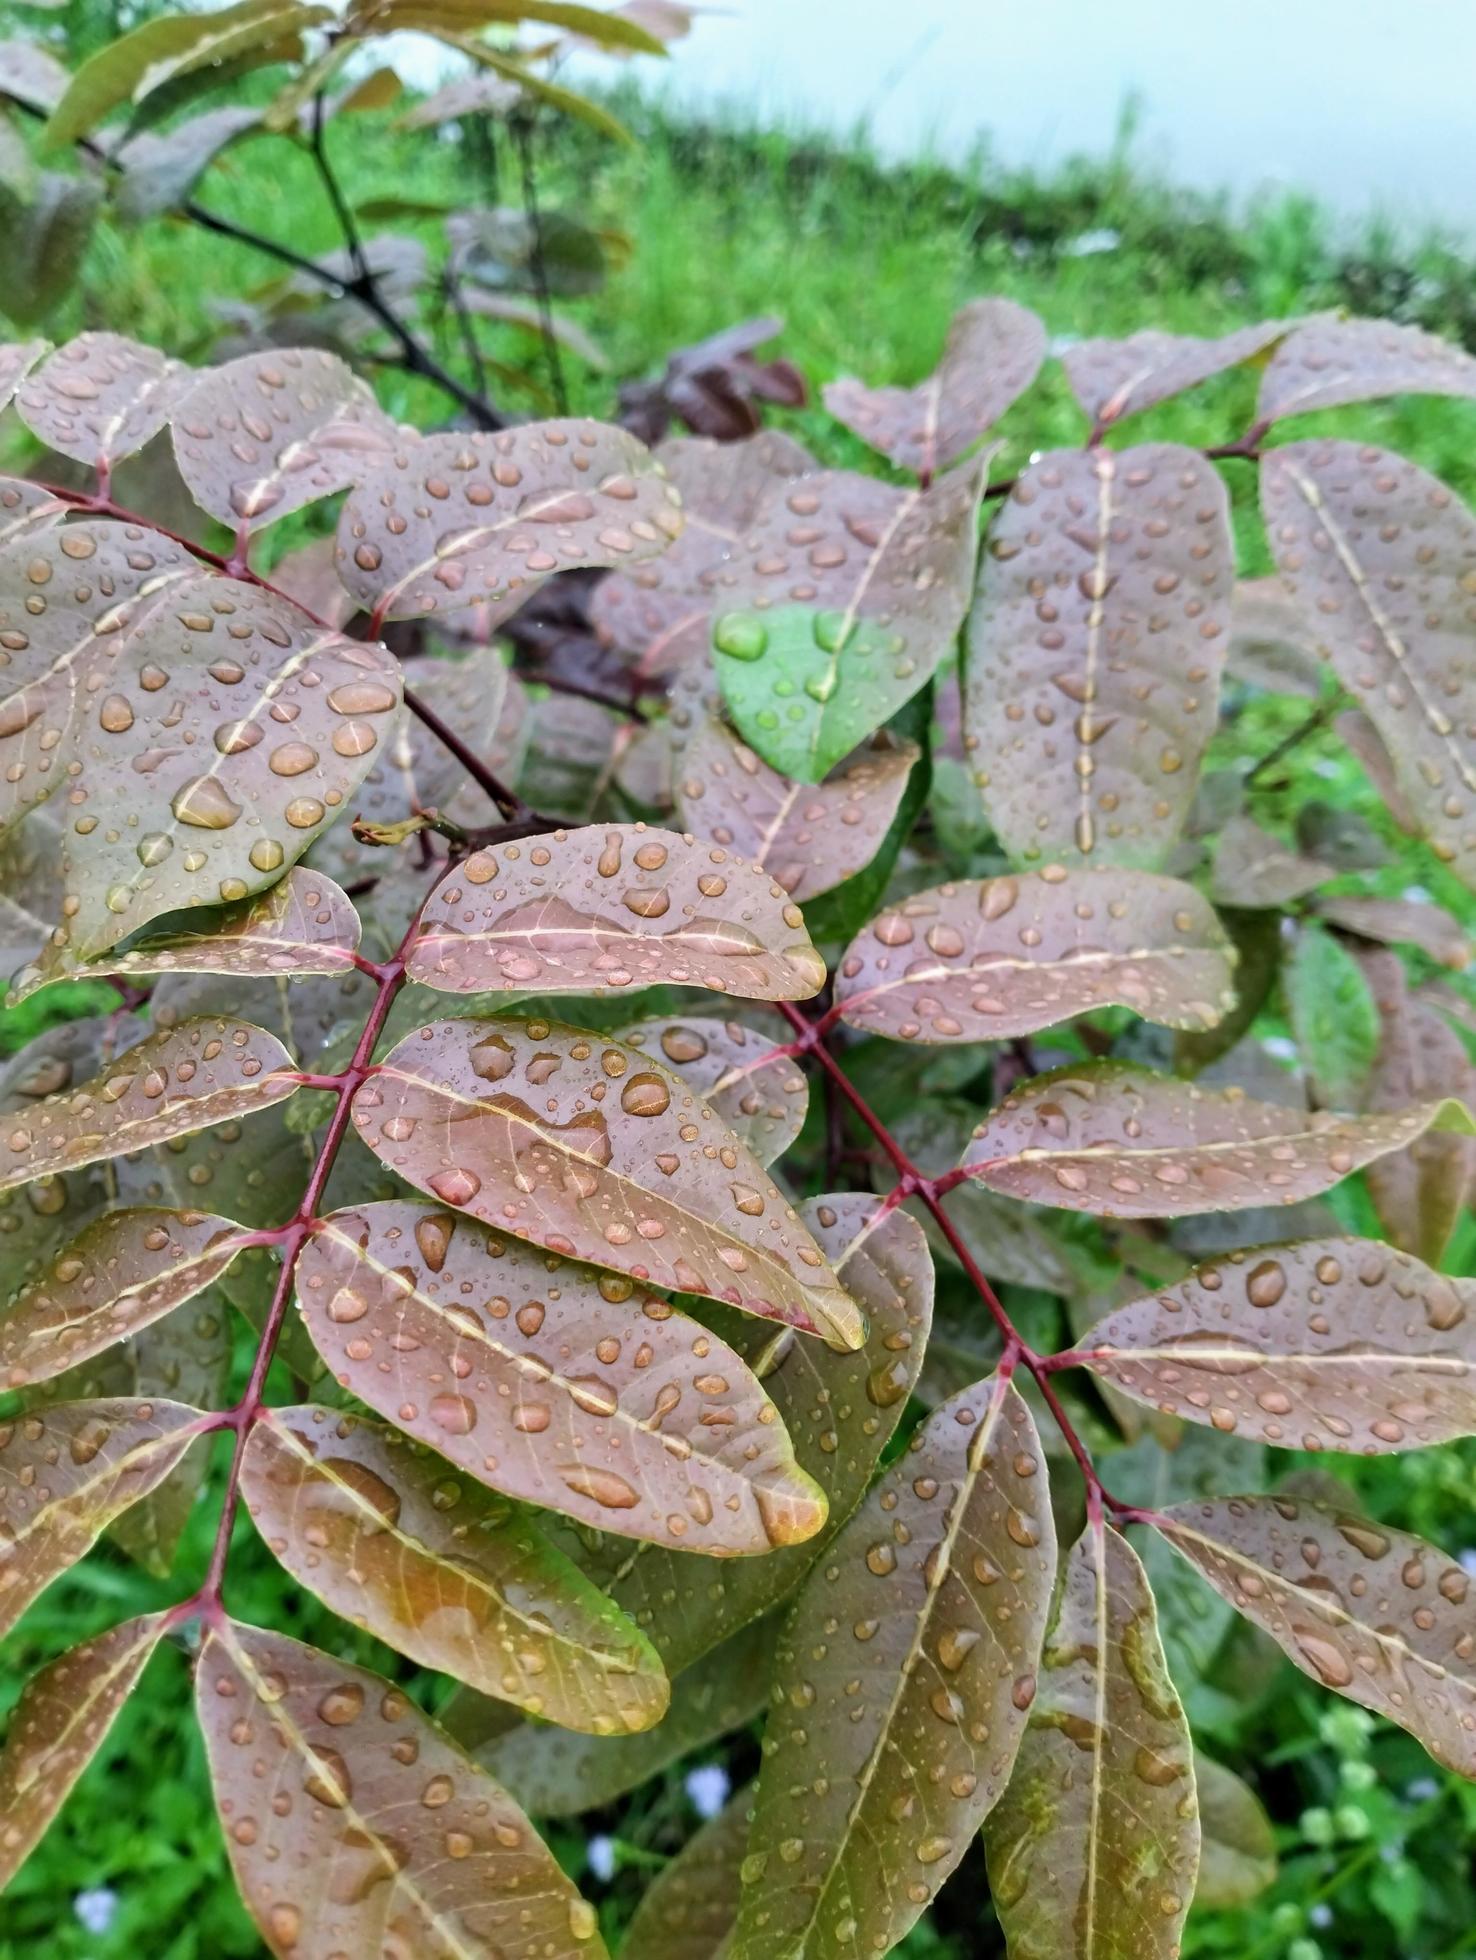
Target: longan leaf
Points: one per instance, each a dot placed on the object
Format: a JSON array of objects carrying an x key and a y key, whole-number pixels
[
  {"x": 598, "y": 1152},
  {"x": 901, "y": 1686},
  {"x": 1329, "y": 362},
  {"x": 1126, "y": 1143},
  {"x": 101, "y": 397},
  {"x": 605, "y": 909},
  {"x": 459, "y": 1581},
  {"x": 550, "y": 1382},
  {"x": 734, "y": 1069},
  {"x": 986, "y": 960},
  {"x": 1115, "y": 378},
  {"x": 1095, "y": 649},
  {"x": 689, "y": 1908},
  {"x": 392, "y": 1836},
  {"x": 1094, "y": 1848}
]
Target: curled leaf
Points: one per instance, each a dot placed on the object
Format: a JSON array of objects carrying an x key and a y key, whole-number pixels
[
  {"x": 101, "y": 397},
  {"x": 1330, "y": 361},
  {"x": 1115, "y": 378},
  {"x": 762, "y": 1095}
]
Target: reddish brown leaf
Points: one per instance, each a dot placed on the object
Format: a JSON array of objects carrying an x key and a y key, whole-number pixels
[
  {"x": 990, "y": 959},
  {"x": 1272, "y": 646},
  {"x": 1114, "y": 378},
  {"x": 449, "y": 521},
  {"x": 1095, "y": 647},
  {"x": 993, "y": 353},
  {"x": 59, "y": 1724},
  {"x": 1123, "y": 1142},
  {"x": 30, "y": 870},
  {"x": 733, "y": 1068},
  {"x": 101, "y": 397},
  {"x": 1402, "y": 922},
  {"x": 564, "y": 1388},
  {"x": 392, "y": 1839},
  {"x": 597, "y": 1152},
  {"x": 689, "y": 1908},
  {"x": 457, "y": 1580},
  {"x": 28, "y": 507},
  {"x": 1376, "y": 1614},
  {"x": 1256, "y": 870},
  {"x": 1330, "y": 361}
]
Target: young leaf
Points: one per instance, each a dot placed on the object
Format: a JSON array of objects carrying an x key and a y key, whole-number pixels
[
  {"x": 59, "y": 1724},
  {"x": 1402, "y": 922},
  {"x": 391, "y": 1838},
  {"x": 810, "y": 838},
  {"x": 1376, "y": 1614},
  {"x": 605, "y": 909},
  {"x": 66, "y": 1472},
  {"x": 987, "y": 960},
  {"x": 1255, "y": 870},
  {"x": 17, "y": 357},
  {"x": 734, "y": 1069},
  {"x": 1114, "y": 378},
  {"x": 457, "y": 1580},
  {"x": 1126, "y": 1143},
  {"x": 101, "y": 397},
  {"x": 993, "y": 353},
  {"x": 160, "y": 171},
  {"x": 444, "y": 522},
  {"x": 557, "y": 1387},
  {"x": 1095, "y": 649},
  {"x": 1333, "y": 1017},
  {"x": 901, "y": 1687},
  {"x": 1331, "y": 361},
  {"x": 1378, "y": 553},
  {"x": 201, "y": 1072},
  {"x": 1237, "y": 1855},
  {"x": 1329, "y": 1344},
  {"x": 127, "y": 1270},
  {"x": 836, "y": 608},
  {"x": 1094, "y": 1847},
  {"x": 688, "y": 1909},
  {"x": 599, "y": 1153},
  {"x": 268, "y": 433}
]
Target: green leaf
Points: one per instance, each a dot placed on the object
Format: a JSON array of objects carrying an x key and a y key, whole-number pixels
[
  {"x": 1334, "y": 1017},
  {"x": 1237, "y": 1853}
]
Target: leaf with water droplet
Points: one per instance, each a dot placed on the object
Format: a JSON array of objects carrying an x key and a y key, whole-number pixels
[
  {"x": 429, "y": 1563},
  {"x": 1090, "y": 709},
  {"x": 551, "y": 1382},
  {"x": 1126, "y": 1143},
  {"x": 1376, "y": 1614},
  {"x": 17, "y": 358},
  {"x": 1237, "y": 1853},
  {"x": 1095, "y": 1846},
  {"x": 60, "y": 1722},
  {"x": 1331, "y": 361},
  {"x": 990, "y": 959},
  {"x": 26, "y": 506},
  {"x": 597, "y": 1152},
  {"x": 901, "y": 1687},
  {"x": 101, "y": 397},
  {"x": 66, "y": 1472},
  {"x": 30, "y": 873},
  {"x": 992, "y": 354},
  {"x": 1115, "y": 378},
  {"x": 735, "y": 1070},
  {"x": 688, "y": 1909},
  {"x": 389, "y": 1833},
  {"x": 837, "y": 608},
  {"x": 611, "y": 908}
]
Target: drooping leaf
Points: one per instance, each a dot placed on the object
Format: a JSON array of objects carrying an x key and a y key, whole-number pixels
[
  {"x": 1402, "y": 922},
  {"x": 837, "y": 606},
  {"x": 555, "y": 1387},
  {"x": 443, "y": 522},
  {"x": 1380, "y": 554},
  {"x": 811, "y": 838},
  {"x": 1272, "y": 646},
  {"x": 1096, "y": 644},
  {"x": 990, "y": 959},
  {"x": 763, "y": 1098},
  {"x": 598, "y": 910},
  {"x": 160, "y": 171},
  {"x": 1124, "y": 1142},
  {"x": 1334, "y": 1018},
  {"x": 1338, "y": 1344},
  {"x": 1330, "y": 361},
  {"x": 458, "y": 1581},
  {"x": 126, "y": 1270},
  {"x": 1094, "y": 1848},
  {"x": 46, "y": 243},
  {"x": 688, "y": 1909},
  {"x": 1237, "y": 1853},
  {"x": 901, "y": 1686},
  {"x": 1376, "y": 1614},
  {"x": 201, "y": 1072},
  {"x": 534, "y": 86},
  {"x": 1115, "y": 378},
  {"x": 392, "y": 1837},
  {"x": 59, "y": 1724},
  {"x": 66, "y": 1472},
  {"x": 597, "y": 1152},
  {"x": 1255, "y": 870},
  {"x": 101, "y": 397},
  {"x": 268, "y": 433},
  {"x": 992, "y": 354}
]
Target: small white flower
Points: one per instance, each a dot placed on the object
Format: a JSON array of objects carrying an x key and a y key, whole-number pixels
[
  {"x": 96, "y": 1907},
  {"x": 1326, "y": 768},
  {"x": 1279, "y": 1048},
  {"x": 599, "y": 1855},
  {"x": 1422, "y": 1789},
  {"x": 708, "y": 1789},
  {"x": 1320, "y": 1916},
  {"x": 1468, "y": 1560},
  {"x": 1059, "y": 342},
  {"x": 1087, "y": 243}
]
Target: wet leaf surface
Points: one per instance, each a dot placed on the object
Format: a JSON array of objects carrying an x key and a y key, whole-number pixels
[
  {"x": 27, "y": 507},
  {"x": 449, "y": 521},
  {"x": 1331, "y": 361},
  {"x": 1114, "y": 378},
  {"x": 763, "y": 1101},
  {"x": 388, "y": 1838},
  {"x": 1096, "y": 644},
  {"x": 597, "y": 1152},
  {"x": 1095, "y": 1845},
  {"x": 1375, "y": 1614},
  {"x": 1334, "y": 1020},
  {"x": 18, "y": 357},
  {"x": 689, "y": 1908},
  {"x": 992, "y": 354},
  {"x": 458, "y": 1581},
  {"x": 101, "y": 397},
  {"x": 989, "y": 959},
  {"x": 1126, "y": 1143},
  {"x": 901, "y": 1687},
  {"x": 30, "y": 869},
  {"x": 1328, "y": 1344},
  {"x": 608, "y": 908},
  {"x": 560, "y": 1386}
]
